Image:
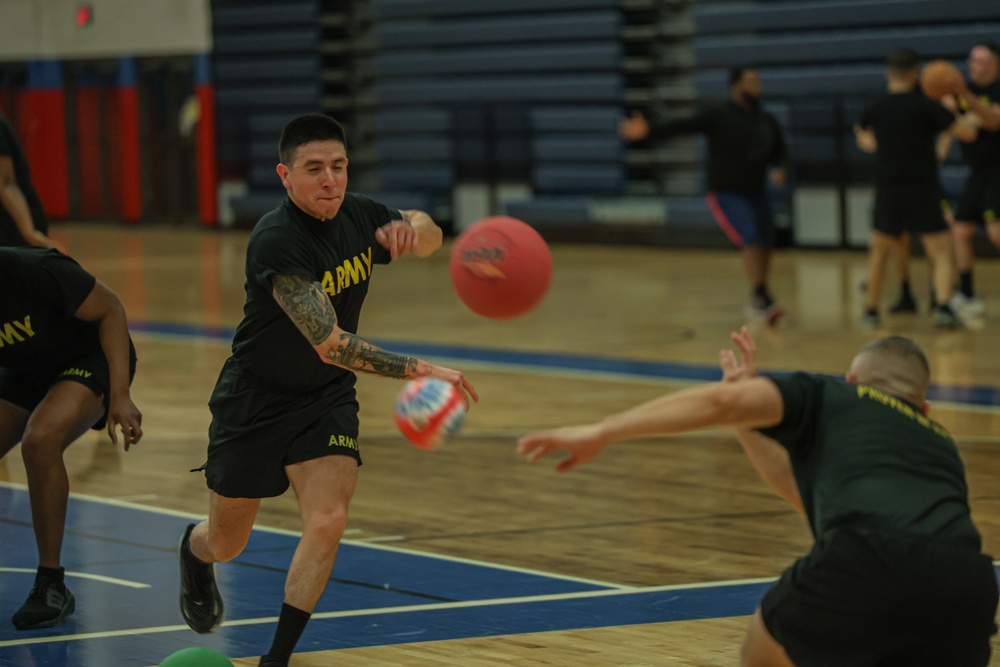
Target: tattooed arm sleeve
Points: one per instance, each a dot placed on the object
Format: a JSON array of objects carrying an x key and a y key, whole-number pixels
[{"x": 307, "y": 305}]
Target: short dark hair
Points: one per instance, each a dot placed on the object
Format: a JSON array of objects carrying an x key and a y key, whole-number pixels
[
  {"x": 992, "y": 47},
  {"x": 306, "y": 128},
  {"x": 903, "y": 60},
  {"x": 736, "y": 73}
]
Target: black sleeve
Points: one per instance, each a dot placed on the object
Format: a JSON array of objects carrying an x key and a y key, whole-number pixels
[
  {"x": 801, "y": 395},
  {"x": 377, "y": 215},
  {"x": 700, "y": 122},
  {"x": 779, "y": 152},
  {"x": 69, "y": 284},
  {"x": 865, "y": 120},
  {"x": 941, "y": 118},
  {"x": 277, "y": 252}
]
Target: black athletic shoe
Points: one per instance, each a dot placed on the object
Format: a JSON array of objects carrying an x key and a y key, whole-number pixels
[
  {"x": 49, "y": 603},
  {"x": 201, "y": 602},
  {"x": 267, "y": 662},
  {"x": 906, "y": 304},
  {"x": 945, "y": 318}
]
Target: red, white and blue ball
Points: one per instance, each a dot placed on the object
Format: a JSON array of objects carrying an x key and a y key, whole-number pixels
[{"x": 429, "y": 411}]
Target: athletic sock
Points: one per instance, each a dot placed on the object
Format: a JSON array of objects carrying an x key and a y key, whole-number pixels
[
  {"x": 56, "y": 574},
  {"x": 291, "y": 623},
  {"x": 965, "y": 283},
  {"x": 905, "y": 289}
]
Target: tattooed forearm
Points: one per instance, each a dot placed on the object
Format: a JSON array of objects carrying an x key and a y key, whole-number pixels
[
  {"x": 360, "y": 355},
  {"x": 305, "y": 302}
]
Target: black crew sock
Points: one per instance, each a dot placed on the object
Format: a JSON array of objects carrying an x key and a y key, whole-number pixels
[
  {"x": 965, "y": 283},
  {"x": 56, "y": 574},
  {"x": 762, "y": 297},
  {"x": 291, "y": 623},
  {"x": 904, "y": 289}
]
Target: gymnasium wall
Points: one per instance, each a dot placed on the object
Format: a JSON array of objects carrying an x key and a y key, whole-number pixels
[{"x": 32, "y": 29}]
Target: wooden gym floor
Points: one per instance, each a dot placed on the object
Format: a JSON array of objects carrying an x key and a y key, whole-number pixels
[{"x": 620, "y": 325}]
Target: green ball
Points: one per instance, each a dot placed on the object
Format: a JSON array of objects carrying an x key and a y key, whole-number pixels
[{"x": 196, "y": 657}]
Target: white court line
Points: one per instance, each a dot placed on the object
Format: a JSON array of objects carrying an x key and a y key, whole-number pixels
[
  {"x": 83, "y": 575},
  {"x": 354, "y": 542},
  {"x": 375, "y": 611}
]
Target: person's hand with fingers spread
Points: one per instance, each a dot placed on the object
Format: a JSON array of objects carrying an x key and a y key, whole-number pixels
[
  {"x": 733, "y": 370},
  {"x": 581, "y": 443}
]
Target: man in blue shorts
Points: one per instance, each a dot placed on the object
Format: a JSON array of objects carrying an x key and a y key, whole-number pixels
[
  {"x": 284, "y": 410},
  {"x": 743, "y": 142},
  {"x": 896, "y": 575},
  {"x": 66, "y": 364}
]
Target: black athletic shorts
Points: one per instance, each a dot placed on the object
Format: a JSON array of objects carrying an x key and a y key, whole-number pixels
[
  {"x": 980, "y": 201},
  {"x": 867, "y": 596},
  {"x": 257, "y": 431},
  {"x": 92, "y": 372},
  {"x": 907, "y": 208}
]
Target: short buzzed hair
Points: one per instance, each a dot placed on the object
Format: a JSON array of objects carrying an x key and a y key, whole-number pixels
[
  {"x": 307, "y": 128},
  {"x": 896, "y": 362}
]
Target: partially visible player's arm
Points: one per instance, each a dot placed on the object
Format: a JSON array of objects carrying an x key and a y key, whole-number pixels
[
  {"x": 416, "y": 232},
  {"x": 865, "y": 139},
  {"x": 102, "y": 306},
  {"x": 429, "y": 235},
  {"x": 943, "y": 146},
  {"x": 988, "y": 114},
  {"x": 768, "y": 457},
  {"x": 771, "y": 462},
  {"x": 12, "y": 199},
  {"x": 966, "y": 127},
  {"x": 309, "y": 308},
  {"x": 750, "y": 403}
]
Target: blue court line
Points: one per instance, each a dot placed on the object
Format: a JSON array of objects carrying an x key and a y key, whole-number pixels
[{"x": 980, "y": 395}]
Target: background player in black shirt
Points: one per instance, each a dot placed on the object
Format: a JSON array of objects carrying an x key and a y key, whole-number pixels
[
  {"x": 284, "y": 409},
  {"x": 66, "y": 362},
  {"x": 896, "y": 575},
  {"x": 743, "y": 142},
  {"x": 979, "y": 101},
  {"x": 22, "y": 220},
  {"x": 902, "y": 129}
]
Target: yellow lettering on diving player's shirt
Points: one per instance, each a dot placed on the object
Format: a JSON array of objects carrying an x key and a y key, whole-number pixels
[
  {"x": 864, "y": 391},
  {"x": 9, "y": 334},
  {"x": 343, "y": 441},
  {"x": 352, "y": 272}
]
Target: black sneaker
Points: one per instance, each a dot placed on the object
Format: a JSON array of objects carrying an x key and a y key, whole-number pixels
[
  {"x": 49, "y": 603},
  {"x": 906, "y": 304},
  {"x": 269, "y": 662},
  {"x": 201, "y": 602},
  {"x": 945, "y": 318}
]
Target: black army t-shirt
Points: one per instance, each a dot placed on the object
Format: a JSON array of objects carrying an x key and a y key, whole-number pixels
[
  {"x": 40, "y": 290},
  {"x": 984, "y": 152},
  {"x": 340, "y": 254},
  {"x": 906, "y": 128},
  {"x": 741, "y": 145},
  {"x": 9, "y": 234},
  {"x": 859, "y": 452}
]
